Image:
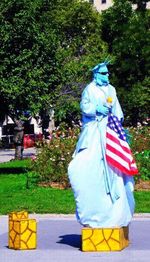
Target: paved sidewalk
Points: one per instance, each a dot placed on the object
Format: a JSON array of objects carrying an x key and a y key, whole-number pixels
[
  {"x": 8, "y": 154},
  {"x": 59, "y": 240}
]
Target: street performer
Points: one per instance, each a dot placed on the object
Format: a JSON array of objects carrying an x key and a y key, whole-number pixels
[{"x": 101, "y": 171}]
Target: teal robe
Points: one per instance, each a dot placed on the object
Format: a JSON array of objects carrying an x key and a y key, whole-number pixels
[{"x": 103, "y": 195}]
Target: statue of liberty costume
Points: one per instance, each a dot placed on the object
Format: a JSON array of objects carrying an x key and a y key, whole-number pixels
[{"x": 103, "y": 195}]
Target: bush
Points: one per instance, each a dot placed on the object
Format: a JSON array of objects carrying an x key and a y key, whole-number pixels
[
  {"x": 54, "y": 156},
  {"x": 143, "y": 162},
  {"x": 140, "y": 138},
  {"x": 140, "y": 145}
]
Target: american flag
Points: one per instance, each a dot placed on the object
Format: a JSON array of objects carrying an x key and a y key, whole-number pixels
[{"x": 118, "y": 152}]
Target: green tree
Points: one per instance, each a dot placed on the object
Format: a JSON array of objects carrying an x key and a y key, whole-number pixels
[
  {"x": 115, "y": 21},
  {"x": 28, "y": 49},
  {"x": 132, "y": 52},
  {"x": 141, "y": 4},
  {"x": 128, "y": 35},
  {"x": 47, "y": 49}
]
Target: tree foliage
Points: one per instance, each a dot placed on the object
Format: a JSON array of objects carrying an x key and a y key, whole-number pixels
[
  {"x": 141, "y": 4},
  {"x": 127, "y": 33},
  {"x": 46, "y": 53},
  {"x": 48, "y": 47}
]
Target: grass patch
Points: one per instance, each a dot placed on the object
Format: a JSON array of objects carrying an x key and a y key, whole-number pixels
[
  {"x": 15, "y": 166},
  {"x": 142, "y": 201},
  {"x": 25, "y": 163},
  {"x": 14, "y": 194}
]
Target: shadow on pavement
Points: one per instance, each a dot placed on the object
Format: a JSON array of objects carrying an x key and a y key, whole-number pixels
[
  {"x": 71, "y": 240},
  {"x": 58, "y": 235}
]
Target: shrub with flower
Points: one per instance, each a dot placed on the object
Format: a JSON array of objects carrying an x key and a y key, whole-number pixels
[
  {"x": 140, "y": 144},
  {"x": 53, "y": 157}
]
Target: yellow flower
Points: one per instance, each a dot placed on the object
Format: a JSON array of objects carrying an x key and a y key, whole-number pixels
[{"x": 109, "y": 99}]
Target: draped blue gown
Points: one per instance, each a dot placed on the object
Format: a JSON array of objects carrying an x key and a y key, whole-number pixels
[{"x": 103, "y": 195}]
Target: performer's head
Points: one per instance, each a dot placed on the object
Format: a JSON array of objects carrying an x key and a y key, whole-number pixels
[{"x": 101, "y": 74}]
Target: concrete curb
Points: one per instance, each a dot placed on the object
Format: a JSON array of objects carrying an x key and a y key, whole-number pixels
[{"x": 72, "y": 216}]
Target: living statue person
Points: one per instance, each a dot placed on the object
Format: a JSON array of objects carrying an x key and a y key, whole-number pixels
[
  {"x": 18, "y": 138},
  {"x": 103, "y": 193}
]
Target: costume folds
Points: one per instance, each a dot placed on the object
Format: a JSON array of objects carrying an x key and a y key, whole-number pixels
[{"x": 103, "y": 195}]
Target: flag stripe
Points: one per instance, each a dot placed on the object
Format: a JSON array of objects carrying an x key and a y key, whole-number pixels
[
  {"x": 113, "y": 136},
  {"x": 120, "y": 167},
  {"x": 118, "y": 159},
  {"x": 118, "y": 149},
  {"x": 118, "y": 152}
]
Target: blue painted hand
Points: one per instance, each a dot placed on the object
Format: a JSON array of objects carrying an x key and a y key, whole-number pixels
[{"x": 104, "y": 110}]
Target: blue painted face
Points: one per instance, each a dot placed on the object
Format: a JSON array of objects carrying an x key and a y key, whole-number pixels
[{"x": 101, "y": 74}]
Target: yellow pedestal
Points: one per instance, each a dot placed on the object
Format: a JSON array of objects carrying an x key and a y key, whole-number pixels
[
  {"x": 104, "y": 239},
  {"x": 22, "y": 234},
  {"x": 18, "y": 215}
]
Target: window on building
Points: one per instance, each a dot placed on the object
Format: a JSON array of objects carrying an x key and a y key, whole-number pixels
[{"x": 103, "y": 1}]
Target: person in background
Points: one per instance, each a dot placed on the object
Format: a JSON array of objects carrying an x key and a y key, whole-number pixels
[{"x": 18, "y": 138}]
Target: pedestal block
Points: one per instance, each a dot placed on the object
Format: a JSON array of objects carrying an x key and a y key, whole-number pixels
[
  {"x": 22, "y": 231},
  {"x": 18, "y": 215},
  {"x": 104, "y": 239},
  {"x": 22, "y": 234}
]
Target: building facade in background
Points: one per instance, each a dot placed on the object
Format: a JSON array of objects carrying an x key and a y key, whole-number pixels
[{"x": 104, "y": 4}]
